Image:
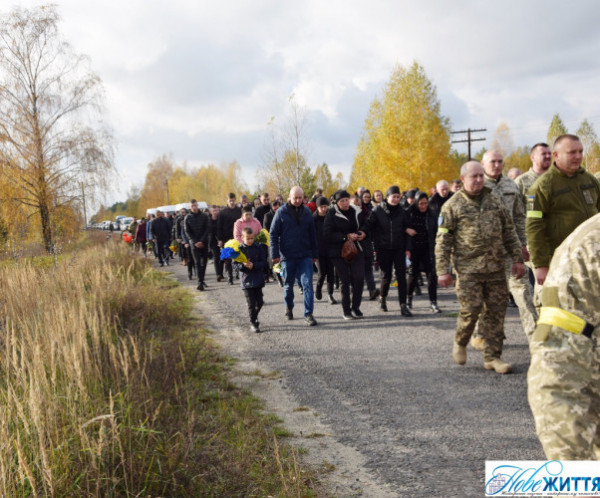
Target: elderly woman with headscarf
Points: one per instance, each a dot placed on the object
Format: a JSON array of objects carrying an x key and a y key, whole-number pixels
[
  {"x": 389, "y": 223},
  {"x": 341, "y": 224}
]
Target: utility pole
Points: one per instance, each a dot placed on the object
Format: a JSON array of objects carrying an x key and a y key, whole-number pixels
[
  {"x": 167, "y": 184},
  {"x": 83, "y": 199},
  {"x": 468, "y": 131}
]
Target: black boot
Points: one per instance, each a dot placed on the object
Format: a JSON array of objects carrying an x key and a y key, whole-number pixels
[
  {"x": 409, "y": 301},
  {"x": 383, "y": 304},
  {"x": 435, "y": 308},
  {"x": 332, "y": 299},
  {"x": 319, "y": 292},
  {"x": 404, "y": 310}
]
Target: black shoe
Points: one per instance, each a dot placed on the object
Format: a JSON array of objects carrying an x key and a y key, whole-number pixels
[
  {"x": 289, "y": 314},
  {"x": 357, "y": 314},
  {"x": 191, "y": 276},
  {"x": 230, "y": 281},
  {"x": 418, "y": 291},
  {"x": 374, "y": 295},
  {"x": 383, "y": 304},
  {"x": 404, "y": 310},
  {"x": 435, "y": 308},
  {"x": 310, "y": 320},
  {"x": 200, "y": 286},
  {"x": 204, "y": 284},
  {"x": 255, "y": 327},
  {"x": 409, "y": 301},
  {"x": 332, "y": 299},
  {"x": 318, "y": 293},
  {"x": 162, "y": 264},
  {"x": 348, "y": 315},
  {"x": 511, "y": 302}
]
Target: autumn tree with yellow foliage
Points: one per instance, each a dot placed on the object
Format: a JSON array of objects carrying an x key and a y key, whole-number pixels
[
  {"x": 405, "y": 140},
  {"x": 51, "y": 137}
]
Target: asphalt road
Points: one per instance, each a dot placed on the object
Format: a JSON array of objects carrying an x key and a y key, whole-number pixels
[{"x": 388, "y": 388}]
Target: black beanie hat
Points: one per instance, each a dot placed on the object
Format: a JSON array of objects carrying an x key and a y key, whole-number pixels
[
  {"x": 392, "y": 190},
  {"x": 341, "y": 194},
  {"x": 322, "y": 201}
]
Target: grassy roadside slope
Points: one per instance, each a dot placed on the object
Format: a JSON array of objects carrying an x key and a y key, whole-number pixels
[{"x": 109, "y": 387}]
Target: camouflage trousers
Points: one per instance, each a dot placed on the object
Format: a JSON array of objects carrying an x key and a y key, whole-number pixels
[
  {"x": 564, "y": 395},
  {"x": 485, "y": 297},
  {"x": 520, "y": 288},
  {"x": 523, "y": 296}
]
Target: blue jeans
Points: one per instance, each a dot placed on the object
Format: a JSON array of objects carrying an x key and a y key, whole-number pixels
[{"x": 302, "y": 269}]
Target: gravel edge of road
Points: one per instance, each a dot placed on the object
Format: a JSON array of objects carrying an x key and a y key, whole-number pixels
[{"x": 343, "y": 472}]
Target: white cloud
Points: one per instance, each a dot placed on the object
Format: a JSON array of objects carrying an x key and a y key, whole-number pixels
[{"x": 201, "y": 79}]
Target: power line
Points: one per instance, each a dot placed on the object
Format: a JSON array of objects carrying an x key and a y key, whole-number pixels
[{"x": 468, "y": 131}]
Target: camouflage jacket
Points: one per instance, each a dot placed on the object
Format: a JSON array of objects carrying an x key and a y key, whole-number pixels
[
  {"x": 573, "y": 281},
  {"x": 524, "y": 183},
  {"x": 556, "y": 205},
  {"x": 474, "y": 232},
  {"x": 508, "y": 191}
]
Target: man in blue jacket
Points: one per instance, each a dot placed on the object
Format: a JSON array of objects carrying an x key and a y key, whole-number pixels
[{"x": 294, "y": 244}]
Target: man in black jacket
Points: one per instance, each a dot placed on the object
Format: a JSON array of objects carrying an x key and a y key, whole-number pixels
[
  {"x": 197, "y": 228},
  {"x": 264, "y": 208},
  {"x": 225, "y": 221},
  {"x": 161, "y": 236},
  {"x": 442, "y": 194}
]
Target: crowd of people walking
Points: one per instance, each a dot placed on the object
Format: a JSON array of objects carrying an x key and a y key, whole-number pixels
[{"x": 492, "y": 234}]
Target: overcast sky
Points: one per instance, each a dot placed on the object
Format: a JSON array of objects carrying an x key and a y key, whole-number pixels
[{"x": 200, "y": 80}]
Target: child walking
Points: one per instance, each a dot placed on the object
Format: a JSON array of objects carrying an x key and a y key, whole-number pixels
[{"x": 252, "y": 275}]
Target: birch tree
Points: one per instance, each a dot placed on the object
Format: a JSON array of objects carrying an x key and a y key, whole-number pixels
[{"x": 51, "y": 135}]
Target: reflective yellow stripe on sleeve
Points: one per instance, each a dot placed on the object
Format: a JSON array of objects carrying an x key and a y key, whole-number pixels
[
  {"x": 535, "y": 214},
  {"x": 442, "y": 230},
  {"x": 563, "y": 319}
]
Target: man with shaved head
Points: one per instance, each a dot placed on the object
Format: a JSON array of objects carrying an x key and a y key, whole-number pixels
[
  {"x": 475, "y": 234},
  {"x": 507, "y": 190},
  {"x": 294, "y": 244}
]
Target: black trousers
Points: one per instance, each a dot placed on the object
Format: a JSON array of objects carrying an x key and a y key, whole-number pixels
[
  {"x": 326, "y": 271},
  {"x": 200, "y": 258},
  {"x": 351, "y": 274},
  {"x": 254, "y": 299},
  {"x": 216, "y": 253},
  {"x": 187, "y": 254},
  {"x": 421, "y": 261},
  {"x": 162, "y": 250},
  {"x": 395, "y": 259}
]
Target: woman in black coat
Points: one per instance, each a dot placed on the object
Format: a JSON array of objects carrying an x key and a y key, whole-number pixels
[
  {"x": 423, "y": 229},
  {"x": 389, "y": 223},
  {"x": 341, "y": 224}
]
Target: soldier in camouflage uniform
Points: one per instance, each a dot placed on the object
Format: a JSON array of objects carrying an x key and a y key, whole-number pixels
[
  {"x": 564, "y": 376},
  {"x": 541, "y": 159},
  {"x": 507, "y": 190},
  {"x": 476, "y": 232},
  {"x": 558, "y": 202}
]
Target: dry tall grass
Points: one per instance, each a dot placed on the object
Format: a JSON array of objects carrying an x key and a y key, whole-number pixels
[
  {"x": 63, "y": 366},
  {"x": 101, "y": 397}
]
